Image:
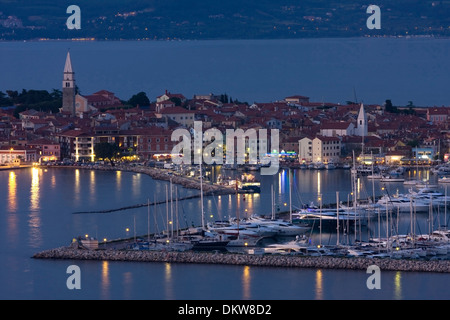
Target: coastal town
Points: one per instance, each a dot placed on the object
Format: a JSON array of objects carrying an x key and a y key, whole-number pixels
[
  {"x": 103, "y": 132},
  {"x": 139, "y": 130}
]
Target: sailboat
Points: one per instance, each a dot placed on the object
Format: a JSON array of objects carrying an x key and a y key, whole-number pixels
[
  {"x": 282, "y": 228},
  {"x": 209, "y": 241}
]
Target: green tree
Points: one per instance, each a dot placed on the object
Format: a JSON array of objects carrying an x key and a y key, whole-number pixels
[
  {"x": 389, "y": 107},
  {"x": 4, "y": 100},
  {"x": 106, "y": 150},
  {"x": 176, "y": 100},
  {"x": 140, "y": 99}
]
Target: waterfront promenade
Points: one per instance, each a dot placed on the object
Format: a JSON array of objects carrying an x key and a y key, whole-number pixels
[{"x": 288, "y": 261}]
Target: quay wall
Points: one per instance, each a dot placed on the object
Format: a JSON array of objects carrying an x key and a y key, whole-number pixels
[{"x": 438, "y": 266}]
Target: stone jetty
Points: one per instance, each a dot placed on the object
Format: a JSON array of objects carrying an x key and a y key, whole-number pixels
[
  {"x": 324, "y": 262},
  {"x": 166, "y": 175}
]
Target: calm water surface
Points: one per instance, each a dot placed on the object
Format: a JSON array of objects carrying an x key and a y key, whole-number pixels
[
  {"x": 37, "y": 212},
  {"x": 330, "y": 70}
]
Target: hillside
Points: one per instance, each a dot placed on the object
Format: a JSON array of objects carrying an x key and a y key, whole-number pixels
[{"x": 232, "y": 19}]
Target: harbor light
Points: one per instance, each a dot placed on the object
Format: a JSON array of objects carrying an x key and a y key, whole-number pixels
[
  {"x": 86, "y": 236},
  {"x": 127, "y": 229}
]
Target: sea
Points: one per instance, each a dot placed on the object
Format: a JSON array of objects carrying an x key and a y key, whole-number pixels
[
  {"x": 370, "y": 70},
  {"x": 39, "y": 207}
]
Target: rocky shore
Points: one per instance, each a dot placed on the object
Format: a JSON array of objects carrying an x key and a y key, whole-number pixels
[{"x": 439, "y": 266}]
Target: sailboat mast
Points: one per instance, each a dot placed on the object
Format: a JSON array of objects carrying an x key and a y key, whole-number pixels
[
  {"x": 320, "y": 225},
  {"x": 176, "y": 211},
  {"x": 201, "y": 195},
  {"x": 445, "y": 210},
  {"x": 171, "y": 208},
  {"x": 273, "y": 200},
  {"x": 167, "y": 211},
  {"x": 290, "y": 195},
  {"x": 337, "y": 216}
]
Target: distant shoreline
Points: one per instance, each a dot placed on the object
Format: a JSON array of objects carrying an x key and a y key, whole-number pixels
[{"x": 433, "y": 37}]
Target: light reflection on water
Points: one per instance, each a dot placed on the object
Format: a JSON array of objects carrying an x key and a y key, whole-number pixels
[
  {"x": 34, "y": 217},
  {"x": 105, "y": 281},
  {"x": 319, "y": 285},
  {"x": 12, "y": 192}
]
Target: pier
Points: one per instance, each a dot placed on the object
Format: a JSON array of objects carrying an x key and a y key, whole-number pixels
[{"x": 287, "y": 261}]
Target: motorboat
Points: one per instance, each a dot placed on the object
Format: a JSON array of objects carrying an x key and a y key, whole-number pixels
[
  {"x": 402, "y": 203},
  {"x": 330, "y": 166},
  {"x": 319, "y": 166},
  {"x": 215, "y": 242},
  {"x": 411, "y": 182},
  {"x": 398, "y": 171},
  {"x": 391, "y": 179},
  {"x": 444, "y": 180},
  {"x": 233, "y": 230},
  {"x": 430, "y": 196},
  {"x": 282, "y": 227},
  {"x": 364, "y": 170},
  {"x": 244, "y": 242},
  {"x": 297, "y": 246}
]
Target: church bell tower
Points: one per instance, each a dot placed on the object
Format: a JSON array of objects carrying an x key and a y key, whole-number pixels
[{"x": 68, "y": 87}]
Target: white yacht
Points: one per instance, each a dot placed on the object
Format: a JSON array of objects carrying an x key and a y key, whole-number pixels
[
  {"x": 233, "y": 230},
  {"x": 444, "y": 180},
  {"x": 391, "y": 179},
  {"x": 282, "y": 227},
  {"x": 402, "y": 203},
  {"x": 428, "y": 195},
  {"x": 330, "y": 166}
]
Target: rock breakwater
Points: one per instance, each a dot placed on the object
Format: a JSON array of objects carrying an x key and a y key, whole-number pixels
[{"x": 439, "y": 266}]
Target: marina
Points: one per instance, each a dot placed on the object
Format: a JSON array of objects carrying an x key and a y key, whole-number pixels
[
  {"x": 292, "y": 234},
  {"x": 137, "y": 231},
  {"x": 91, "y": 184}
]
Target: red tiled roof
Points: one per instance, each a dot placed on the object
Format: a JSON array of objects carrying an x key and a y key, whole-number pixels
[
  {"x": 175, "y": 110},
  {"x": 335, "y": 125}
]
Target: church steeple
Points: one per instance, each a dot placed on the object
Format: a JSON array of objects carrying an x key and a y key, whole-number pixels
[
  {"x": 361, "y": 122},
  {"x": 68, "y": 87},
  {"x": 68, "y": 66}
]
